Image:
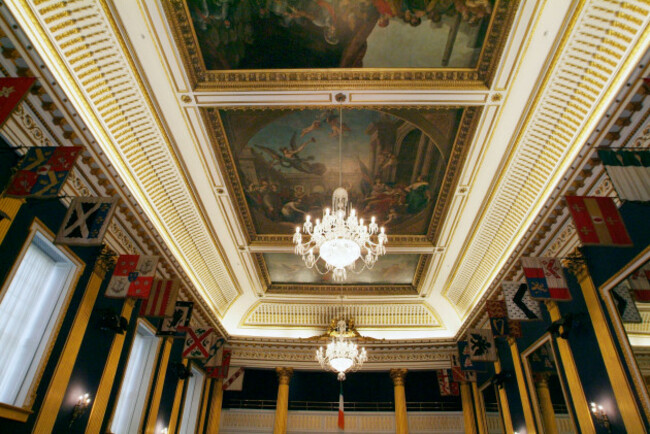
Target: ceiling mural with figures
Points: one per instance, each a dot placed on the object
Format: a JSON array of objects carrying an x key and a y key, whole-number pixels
[
  {"x": 394, "y": 164},
  {"x": 280, "y": 34},
  {"x": 445, "y": 125},
  {"x": 276, "y": 44}
]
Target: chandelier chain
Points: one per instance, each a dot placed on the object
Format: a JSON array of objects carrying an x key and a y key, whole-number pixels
[{"x": 340, "y": 239}]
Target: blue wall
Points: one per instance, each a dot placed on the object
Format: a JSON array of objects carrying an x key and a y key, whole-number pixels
[{"x": 96, "y": 343}]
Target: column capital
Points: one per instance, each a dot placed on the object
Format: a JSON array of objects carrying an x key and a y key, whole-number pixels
[
  {"x": 398, "y": 376},
  {"x": 284, "y": 375}
]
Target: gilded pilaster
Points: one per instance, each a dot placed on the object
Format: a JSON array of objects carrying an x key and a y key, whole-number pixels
[
  {"x": 100, "y": 403},
  {"x": 10, "y": 207},
  {"x": 503, "y": 403},
  {"x": 401, "y": 418},
  {"x": 630, "y": 412},
  {"x": 282, "y": 404},
  {"x": 59, "y": 383},
  {"x": 545, "y": 403},
  {"x": 523, "y": 391},
  {"x": 150, "y": 425},
  {"x": 583, "y": 413},
  {"x": 176, "y": 406},
  {"x": 468, "y": 408},
  {"x": 215, "y": 407},
  {"x": 479, "y": 410}
]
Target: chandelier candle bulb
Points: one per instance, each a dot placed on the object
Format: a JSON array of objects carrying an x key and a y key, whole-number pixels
[{"x": 337, "y": 240}]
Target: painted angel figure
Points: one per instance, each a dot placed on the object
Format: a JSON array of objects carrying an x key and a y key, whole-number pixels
[{"x": 288, "y": 157}]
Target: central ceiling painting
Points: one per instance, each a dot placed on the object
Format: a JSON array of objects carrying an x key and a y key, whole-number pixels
[
  {"x": 283, "y": 34},
  {"x": 393, "y": 164}
]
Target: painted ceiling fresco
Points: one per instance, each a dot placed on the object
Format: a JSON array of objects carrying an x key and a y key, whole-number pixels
[
  {"x": 393, "y": 163},
  {"x": 390, "y": 269},
  {"x": 281, "y": 34}
]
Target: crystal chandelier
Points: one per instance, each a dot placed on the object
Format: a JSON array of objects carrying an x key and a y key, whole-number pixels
[
  {"x": 341, "y": 355},
  {"x": 340, "y": 239}
]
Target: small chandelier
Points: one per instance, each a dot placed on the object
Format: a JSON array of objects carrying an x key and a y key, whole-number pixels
[
  {"x": 340, "y": 239},
  {"x": 341, "y": 355}
]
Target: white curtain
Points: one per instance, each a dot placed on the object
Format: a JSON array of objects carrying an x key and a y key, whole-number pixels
[
  {"x": 192, "y": 402},
  {"x": 133, "y": 392},
  {"x": 27, "y": 307}
]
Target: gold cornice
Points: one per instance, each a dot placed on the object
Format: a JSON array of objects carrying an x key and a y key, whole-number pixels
[
  {"x": 367, "y": 290},
  {"x": 202, "y": 79}
]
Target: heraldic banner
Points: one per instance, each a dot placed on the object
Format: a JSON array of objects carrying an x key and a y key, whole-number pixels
[
  {"x": 132, "y": 277},
  {"x": 43, "y": 171}
]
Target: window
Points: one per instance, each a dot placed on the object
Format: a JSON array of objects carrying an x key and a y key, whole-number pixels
[
  {"x": 135, "y": 384},
  {"x": 192, "y": 401},
  {"x": 31, "y": 304}
]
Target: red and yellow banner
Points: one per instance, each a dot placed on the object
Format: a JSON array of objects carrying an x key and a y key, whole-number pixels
[{"x": 598, "y": 221}]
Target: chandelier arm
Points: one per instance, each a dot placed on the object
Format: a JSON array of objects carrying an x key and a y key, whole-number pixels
[{"x": 341, "y": 237}]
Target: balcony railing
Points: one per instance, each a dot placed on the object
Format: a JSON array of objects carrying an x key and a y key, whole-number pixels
[{"x": 261, "y": 404}]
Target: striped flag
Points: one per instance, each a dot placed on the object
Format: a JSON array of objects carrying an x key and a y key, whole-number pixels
[
  {"x": 162, "y": 298},
  {"x": 545, "y": 279},
  {"x": 598, "y": 221},
  {"x": 234, "y": 380},
  {"x": 629, "y": 171},
  {"x": 341, "y": 410}
]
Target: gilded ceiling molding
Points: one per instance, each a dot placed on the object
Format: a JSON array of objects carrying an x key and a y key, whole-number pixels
[
  {"x": 603, "y": 42},
  {"x": 382, "y": 355},
  {"x": 368, "y": 315},
  {"x": 91, "y": 61}
]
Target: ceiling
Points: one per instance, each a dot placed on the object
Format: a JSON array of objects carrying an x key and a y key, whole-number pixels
[{"x": 189, "y": 106}]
